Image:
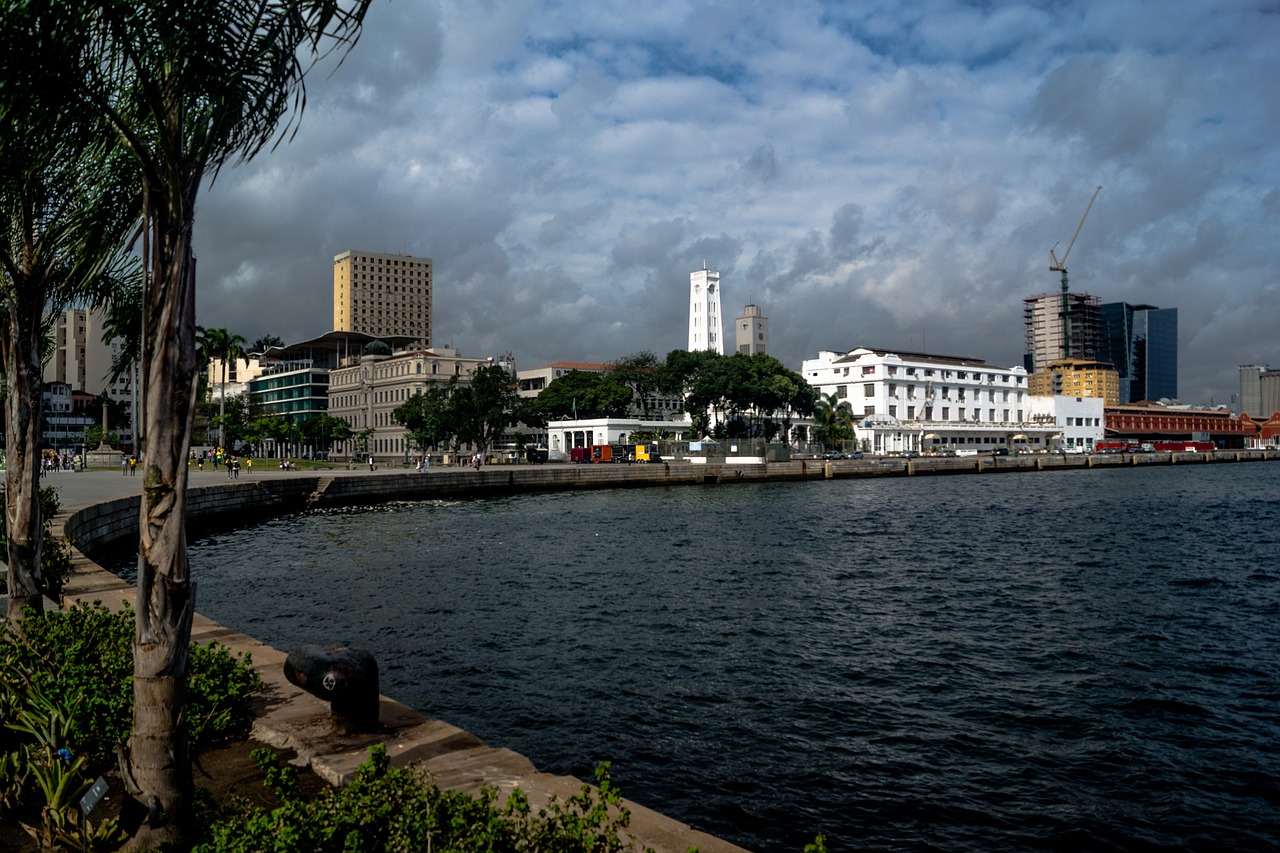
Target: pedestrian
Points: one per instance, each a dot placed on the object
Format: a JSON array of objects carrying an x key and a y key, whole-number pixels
[
  {"x": 426, "y": 462},
  {"x": 133, "y": 466},
  {"x": 475, "y": 460},
  {"x": 248, "y": 465},
  {"x": 124, "y": 465},
  {"x": 200, "y": 461},
  {"x": 370, "y": 461}
]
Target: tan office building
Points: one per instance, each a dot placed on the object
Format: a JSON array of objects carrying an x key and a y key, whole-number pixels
[
  {"x": 382, "y": 294},
  {"x": 1077, "y": 377}
]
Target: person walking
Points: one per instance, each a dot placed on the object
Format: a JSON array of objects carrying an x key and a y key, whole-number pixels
[
  {"x": 124, "y": 465},
  {"x": 133, "y": 466},
  {"x": 248, "y": 465},
  {"x": 370, "y": 463}
]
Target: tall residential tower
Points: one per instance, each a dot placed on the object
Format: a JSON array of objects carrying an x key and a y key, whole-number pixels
[
  {"x": 382, "y": 294},
  {"x": 705, "y": 325}
]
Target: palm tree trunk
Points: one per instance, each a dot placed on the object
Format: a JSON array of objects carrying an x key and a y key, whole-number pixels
[
  {"x": 159, "y": 767},
  {"x": 23, "y": 404}
]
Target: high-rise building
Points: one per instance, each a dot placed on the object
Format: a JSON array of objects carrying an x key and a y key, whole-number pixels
[
  {"x": 1045, "y": 342},
  {"x": 706, "y": 330},
  {"x": 1142, "y": 342},
  {"x": 81, "y": 358},
  {"x": 751, "y": 331},
  {"x": 382, "y": 294}
]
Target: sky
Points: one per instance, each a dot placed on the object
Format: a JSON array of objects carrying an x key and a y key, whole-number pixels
[{"x": 872, "y": 173}]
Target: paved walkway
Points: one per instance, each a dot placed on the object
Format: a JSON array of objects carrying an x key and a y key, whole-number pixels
[{"x": 290, "y": 718}]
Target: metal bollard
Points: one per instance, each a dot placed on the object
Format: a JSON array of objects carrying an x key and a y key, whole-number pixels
[{"x": 344, "y": 677}]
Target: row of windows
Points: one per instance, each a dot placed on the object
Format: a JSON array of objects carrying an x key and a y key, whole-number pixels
[{"x": 975, "y": 415}]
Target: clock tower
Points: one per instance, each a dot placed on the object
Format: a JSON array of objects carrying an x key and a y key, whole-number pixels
[{"x": 705, "y": 324}]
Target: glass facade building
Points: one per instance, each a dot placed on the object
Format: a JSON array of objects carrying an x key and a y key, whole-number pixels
[{"x": 1142, "y": 342}]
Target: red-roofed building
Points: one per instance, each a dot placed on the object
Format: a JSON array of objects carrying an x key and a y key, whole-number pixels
[{"x": 1152, "y": 422}]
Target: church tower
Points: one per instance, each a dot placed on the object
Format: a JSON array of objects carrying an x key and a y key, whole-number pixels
[{"x": 705, "y": 325}]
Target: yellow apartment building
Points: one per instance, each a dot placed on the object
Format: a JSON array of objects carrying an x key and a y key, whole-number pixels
[
  {"x": 1077, "y": 377},
  {"x": 382, "y": 294}
]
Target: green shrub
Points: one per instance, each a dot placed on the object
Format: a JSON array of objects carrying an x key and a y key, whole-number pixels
[
  {"x": 85, "y": 653},
  {"x": 66, "y": 699},
  {"x": 55, "y": 551},
  {"x": 390, "y": 809}
]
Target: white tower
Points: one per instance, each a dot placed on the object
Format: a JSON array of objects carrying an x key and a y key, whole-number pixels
[
  {"x": 705, "y": 325},
  {"x": 751, "y": 332}
]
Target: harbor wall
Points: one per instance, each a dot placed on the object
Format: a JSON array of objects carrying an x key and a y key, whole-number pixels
[{"x": 101, "y": 527}]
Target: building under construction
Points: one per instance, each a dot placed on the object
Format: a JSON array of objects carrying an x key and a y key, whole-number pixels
[{"x": 1042, "y": 316}]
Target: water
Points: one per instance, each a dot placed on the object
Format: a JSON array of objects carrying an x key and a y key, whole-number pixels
[{"x": 1078, "y": 660}]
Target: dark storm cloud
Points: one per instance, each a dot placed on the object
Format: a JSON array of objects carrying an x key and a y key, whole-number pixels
[{"x": 876, "y": 172}]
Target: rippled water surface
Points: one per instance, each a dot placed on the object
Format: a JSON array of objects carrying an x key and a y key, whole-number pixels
[{"x": 1068, "y": 660}]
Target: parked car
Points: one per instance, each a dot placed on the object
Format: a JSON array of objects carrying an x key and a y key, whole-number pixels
[
  {"x": 912, "y": 454},
  {"x": 1000, "y": 451}
]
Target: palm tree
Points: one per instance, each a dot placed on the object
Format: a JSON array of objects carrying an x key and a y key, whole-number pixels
[
  {"x": 226, "y": 347},
  {"x": 188, "y": 86},
  {"x": 68, "y": 197},
  {"x": 832, "y": 420}
]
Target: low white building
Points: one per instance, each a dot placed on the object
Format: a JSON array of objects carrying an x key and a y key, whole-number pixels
[
  {"x": 1077, "y": 421},
  {"x": 908, "y": 401},
  {"x": 564, "y": 436}
]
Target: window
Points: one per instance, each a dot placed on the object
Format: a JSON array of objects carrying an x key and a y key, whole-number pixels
[
  {"x": 868, "y": 410},
  {"x": 842, "y": 392},
  {"x": 869, "y": 389},
  {"x": 893, "y": 411}
]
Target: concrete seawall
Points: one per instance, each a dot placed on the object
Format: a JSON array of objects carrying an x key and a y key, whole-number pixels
[{"x": 100, "y": 527}]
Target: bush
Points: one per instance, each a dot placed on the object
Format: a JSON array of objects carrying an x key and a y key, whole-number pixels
[
  {"x": 55, "y": 552},
  {"x": 66, "y": 700},
  {"x": 86, "y": 651},
  {"x": 387, "y": 809}
]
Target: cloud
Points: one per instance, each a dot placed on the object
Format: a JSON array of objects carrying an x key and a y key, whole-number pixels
[{"x": 866, "y": 173}]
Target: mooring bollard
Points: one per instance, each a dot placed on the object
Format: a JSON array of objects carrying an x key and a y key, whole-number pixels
[{"x": 346, "y": 678}]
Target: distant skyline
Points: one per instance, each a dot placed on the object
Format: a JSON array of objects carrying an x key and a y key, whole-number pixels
[{"x": 869, "y": 173}]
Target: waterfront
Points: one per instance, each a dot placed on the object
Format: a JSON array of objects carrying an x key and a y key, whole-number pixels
[{"x": 1079, "y": 659}]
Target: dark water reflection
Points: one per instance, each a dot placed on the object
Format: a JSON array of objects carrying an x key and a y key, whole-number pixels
[{"x": 1069, "y": 660}]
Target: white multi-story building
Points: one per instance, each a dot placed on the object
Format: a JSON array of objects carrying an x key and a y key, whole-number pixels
[
  {"x": 706, "y": 328},
  {"x": 917, "y": 401}
]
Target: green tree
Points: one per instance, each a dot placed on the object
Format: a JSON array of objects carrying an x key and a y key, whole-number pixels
[
  {"x": 68, "y": 197},
  {"x": 189, "y": 86},
  {"x": 484, "y": 406},
  {"x": 582, "y": 394},
  {"x": 640, "y": 372},
  {"x": 227, "y": 347},
  {"x": 428, "y": 418},
  {"x": 324, "y": 429},
  {"x": 265, "y": 342},
  {"x": 832, "y": 421}
]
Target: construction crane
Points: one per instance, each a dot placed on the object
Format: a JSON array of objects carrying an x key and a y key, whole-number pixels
[{"x": 1056, "y": 265}]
